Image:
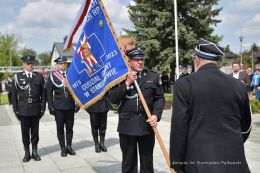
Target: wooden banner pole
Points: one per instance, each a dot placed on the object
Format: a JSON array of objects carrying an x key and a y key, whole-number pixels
[{"x": 156, "y": 132}]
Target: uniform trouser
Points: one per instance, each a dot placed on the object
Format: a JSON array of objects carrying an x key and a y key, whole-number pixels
[
  {"x": 128, "y": 145},
  {"x": 10, "y": 97},
  {"x": 64, "y": 117},
  {"x": 30, "y": 124},
  {"x": 98, "y": 123},
  {"x": 165, "y": 87}
]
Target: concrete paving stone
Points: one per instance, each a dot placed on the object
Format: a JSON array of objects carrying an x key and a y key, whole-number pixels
[
  {"x": 9, "y": 153},
  {"x": 253, "y": 165},
  {"x": 85, "y": 169},
  {"x": 86, "y": 160},
  {"x": 104, "y": 163},
  {"x": 15, "y": 169},
  {"x": 4, "y": 118},
  {"x": 14, "y": 166},
  {"x": 68, "y": 162},
  {"x": 43, "y": 166}
]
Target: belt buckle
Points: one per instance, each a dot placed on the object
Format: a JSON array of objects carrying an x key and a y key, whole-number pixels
[{"x": 29, "y": 100}]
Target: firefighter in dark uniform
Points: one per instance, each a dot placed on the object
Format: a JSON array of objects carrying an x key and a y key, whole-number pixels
[
  {"x": 134, "y": 128},
  {"x": 61, "y": 105},
  {"x": 98, "y": 121},
  {"x": 211, "y": 118},
  {"x": 29, "y": 102}
]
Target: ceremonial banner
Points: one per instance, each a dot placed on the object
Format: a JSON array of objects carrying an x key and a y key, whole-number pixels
[{"x": 97, "y": 64}]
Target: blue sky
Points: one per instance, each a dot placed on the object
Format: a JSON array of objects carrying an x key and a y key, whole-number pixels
[{"x": 39, "y": 23}]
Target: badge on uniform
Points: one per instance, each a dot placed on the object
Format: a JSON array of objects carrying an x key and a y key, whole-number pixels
[{"x": 66, "y": 94}]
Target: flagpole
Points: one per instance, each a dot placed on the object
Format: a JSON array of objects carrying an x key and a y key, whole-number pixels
[{"x": 176, "y": 39}]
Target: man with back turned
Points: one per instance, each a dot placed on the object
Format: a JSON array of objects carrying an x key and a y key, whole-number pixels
[{"x": 211, "y": 118}]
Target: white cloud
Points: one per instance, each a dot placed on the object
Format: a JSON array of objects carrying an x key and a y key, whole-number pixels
[
  {"x": 118, "y": 14},
  {"x": 255, "y": 20},
  {"x": 229, "y": 18},
  {"x": 246, "y": 4},
  {"x": 7, "y": 10},
  {"x": 43, "y": 18},
  {"x": 52, "y": 19},
  {"x": 248, "y": 31},
  {"x": 6, "y": 1},
  {"x": 251, "y": 27}
]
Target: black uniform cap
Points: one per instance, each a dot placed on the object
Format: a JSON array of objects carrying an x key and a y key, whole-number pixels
[
  {"x": 181, "y": 67},
  {"x": 61, "y": 59},
  {"x": 208, "y": 50},
  {"x": 135, "y": 53},
  {"x": 28, "y": 58}
]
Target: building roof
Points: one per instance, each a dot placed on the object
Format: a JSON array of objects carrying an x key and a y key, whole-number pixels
[
  {"x": 126, "y": 42},
  {"x": 59, "y": 46},
  {"x": 230, "y": 55},
  {"x": 257, "y": 54}
]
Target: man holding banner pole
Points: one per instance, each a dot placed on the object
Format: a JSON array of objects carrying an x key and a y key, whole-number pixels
[{"x": 134, "y": 127}]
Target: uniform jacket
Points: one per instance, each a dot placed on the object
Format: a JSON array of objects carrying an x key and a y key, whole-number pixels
[
  {"x": 102, "y": 105},
  {"x": 210, "y": 110},
  {"x": 57, "y": 99},
  {"x": 9, "y": 85},
  {"x": 243, "y": 77},
  {"x": 20, "y": 96},
  {"x": 132, "y": 117}
]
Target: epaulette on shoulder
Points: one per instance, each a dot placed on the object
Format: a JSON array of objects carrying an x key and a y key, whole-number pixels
[
  {"x": 19, "y": 73},
  {"x": 150, "y": 71}
]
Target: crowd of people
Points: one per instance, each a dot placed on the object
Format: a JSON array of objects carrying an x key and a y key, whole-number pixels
[
  {"x": 251, "y": 79},
  {"x": 211, "y": 116}
]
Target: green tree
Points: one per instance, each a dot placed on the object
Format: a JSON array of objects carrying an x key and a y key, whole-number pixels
[
  {"x": 254, "y": 47},
  {"x": 154, "y": 28},
  {"x": 45, "y": 58},
  {"x": 9, "y": 50}
]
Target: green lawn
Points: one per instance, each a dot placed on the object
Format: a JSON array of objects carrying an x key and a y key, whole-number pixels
[
  {"x": 3, "y": 99},
  {"x": 255, "y": 104}
]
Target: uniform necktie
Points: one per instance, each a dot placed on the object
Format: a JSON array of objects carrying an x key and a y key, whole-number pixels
[
  {"x": 29, "y": 77},
  {"x": 63, "y": 74}
]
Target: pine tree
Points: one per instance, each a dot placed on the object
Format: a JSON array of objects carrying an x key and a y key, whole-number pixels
[{"x": 154, "y": 28}]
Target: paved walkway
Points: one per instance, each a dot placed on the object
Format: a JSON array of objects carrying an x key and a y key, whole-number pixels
[{"x": 86, "y": 160}]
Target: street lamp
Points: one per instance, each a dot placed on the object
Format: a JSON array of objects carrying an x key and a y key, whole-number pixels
[
  {"x": 176, "y": 38},
  {"x": 241, "y": 40},
  {"x": 10, "y": 58}
]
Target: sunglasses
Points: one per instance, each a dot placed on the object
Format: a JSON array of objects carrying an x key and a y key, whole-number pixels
[
  {"x": 29, "y": 63},
  {"x": 62, "y": 63}
]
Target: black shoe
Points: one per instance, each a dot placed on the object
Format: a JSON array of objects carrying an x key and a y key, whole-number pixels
[
  {"x": 97, "y": 148},
  {"x": 70, "y": 150},
  {"x": 102, "y": 143},
  {"x": 35, "y": 155},
  {"x": 63, "y": 152},
  {"x": 27, "y": 156},
  {"x": 103, "y": 147}
]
